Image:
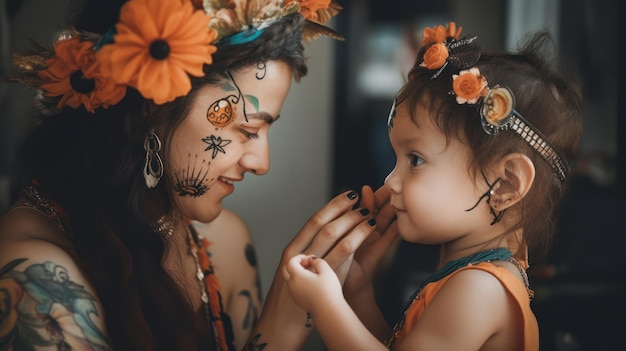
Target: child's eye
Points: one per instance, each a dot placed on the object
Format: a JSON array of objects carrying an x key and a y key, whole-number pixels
[{"x": 415, "y": 160}]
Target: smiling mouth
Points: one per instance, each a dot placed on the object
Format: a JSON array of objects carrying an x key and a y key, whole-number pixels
[{"x": 227, "y": 181}]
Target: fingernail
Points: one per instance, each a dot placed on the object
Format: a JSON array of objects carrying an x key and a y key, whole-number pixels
[
  {"x": 364, "y": 211},
  {"x": 371, "y": 222},
  {"x": 352, "y": 195}
]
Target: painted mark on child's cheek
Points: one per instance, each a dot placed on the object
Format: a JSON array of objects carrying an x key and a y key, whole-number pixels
[
  {"x": 192, "y": 181},
  {"x": 216, "y": 144}
]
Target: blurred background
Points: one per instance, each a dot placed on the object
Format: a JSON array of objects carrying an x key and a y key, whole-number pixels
[{"x": 332, "y": 136}]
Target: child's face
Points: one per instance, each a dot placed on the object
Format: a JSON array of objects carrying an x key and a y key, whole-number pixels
[{"x": 431, "y": 186}]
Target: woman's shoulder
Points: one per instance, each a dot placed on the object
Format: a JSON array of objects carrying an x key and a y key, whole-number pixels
[
  {"x": 227, "y": 230},
  {"x": 28, "y": 226}
]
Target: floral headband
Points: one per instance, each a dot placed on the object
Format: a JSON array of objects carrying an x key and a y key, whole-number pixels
[
  {"x": 496, "y": 104},
  {"x": 156, "y": 46}
]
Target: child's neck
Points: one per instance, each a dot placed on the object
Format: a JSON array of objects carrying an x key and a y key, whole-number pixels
[{"x": 513, "y": 241}]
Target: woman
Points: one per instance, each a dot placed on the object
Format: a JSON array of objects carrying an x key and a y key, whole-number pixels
[{"x": 152, "y": 111}]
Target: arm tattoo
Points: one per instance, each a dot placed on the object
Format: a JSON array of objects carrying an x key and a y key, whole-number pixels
[
  {"x": 41, "y": 306},
  {"x": 251, "y": 316},
  {"x": 253, "y": 344}
]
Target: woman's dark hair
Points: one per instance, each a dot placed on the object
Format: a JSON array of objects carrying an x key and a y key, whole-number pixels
[
  {"x": 91, "y": 165},
  {"x": 546, "y": 97}
]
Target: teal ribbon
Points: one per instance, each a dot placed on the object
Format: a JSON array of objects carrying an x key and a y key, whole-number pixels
[{"x": 242, "y": 37}]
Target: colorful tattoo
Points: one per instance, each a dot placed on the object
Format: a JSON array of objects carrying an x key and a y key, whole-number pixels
[
  {"x": 216, "y": 144},
  {"x": 222, "y": 112},
  {"x": 253, "y": 344},
  {"x": 192, "y": 181},
  {"x": 42, "y": 307}
]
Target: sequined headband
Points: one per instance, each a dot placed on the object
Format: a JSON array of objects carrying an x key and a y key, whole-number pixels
[
  {"x": 156, "y": 46},
  {"x": 496, "y": 104}
]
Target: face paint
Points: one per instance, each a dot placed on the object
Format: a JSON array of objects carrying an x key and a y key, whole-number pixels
[
  {"x": 224, "y": 136},
  {"x": 216, "y": 144},
  {"x": 192, "y": 181}
]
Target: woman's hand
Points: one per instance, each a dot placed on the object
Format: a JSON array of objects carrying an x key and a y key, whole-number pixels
[
  {"x": 333, "y": 233},
  {"x": 370, "y": 255}
]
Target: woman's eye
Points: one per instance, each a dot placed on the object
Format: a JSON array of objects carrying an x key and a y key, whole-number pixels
[
  {"x": 415, "y": 160},
  {"x": 249, "y": 134}
]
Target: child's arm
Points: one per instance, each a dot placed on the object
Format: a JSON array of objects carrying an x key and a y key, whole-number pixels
[{"x": 315, "y": 288}]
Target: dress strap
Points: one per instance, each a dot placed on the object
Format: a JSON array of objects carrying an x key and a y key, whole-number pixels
[{"x": 38, "y": 202}]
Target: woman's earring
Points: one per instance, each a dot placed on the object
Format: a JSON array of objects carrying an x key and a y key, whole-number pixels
[{"x": 153, "y": 167}]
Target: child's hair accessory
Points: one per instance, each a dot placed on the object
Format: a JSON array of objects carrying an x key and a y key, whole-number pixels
[
  {"x": 156, "y": 46},
  {"x": 496, "y": 105}
]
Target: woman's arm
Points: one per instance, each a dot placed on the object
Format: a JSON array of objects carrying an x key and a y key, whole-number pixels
[
  {"x": 46, "y": 301},
  {"x": 315, "y": 287},
  {"x": 234, "y": 262},
  {"x": 334, "y": 232}
]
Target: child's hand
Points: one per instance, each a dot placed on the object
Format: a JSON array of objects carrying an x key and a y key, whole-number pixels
[{"x": 312, "y": 282}]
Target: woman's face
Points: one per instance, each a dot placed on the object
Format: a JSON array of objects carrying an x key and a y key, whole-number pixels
[{"x": 224, "y": 136}]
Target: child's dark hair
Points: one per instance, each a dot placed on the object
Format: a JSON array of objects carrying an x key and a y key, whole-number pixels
[{"x": 544, "y": 96}]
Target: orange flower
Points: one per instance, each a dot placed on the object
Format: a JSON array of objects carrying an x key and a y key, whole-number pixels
[
  {"x": 435, "y": 56},
  {"x": 10, "y": 294},
  {"x": 439, "y": 34},
  {"x": 75, "y": 73},
  {"x": 469, "y": 85},
  {"x": 158, "y": 43},
  {"x": 497, "y": 106},
  {"x": 319, "y": 11}
]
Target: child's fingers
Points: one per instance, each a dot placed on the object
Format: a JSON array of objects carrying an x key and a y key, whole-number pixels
[{"x": 293, "y": 266}]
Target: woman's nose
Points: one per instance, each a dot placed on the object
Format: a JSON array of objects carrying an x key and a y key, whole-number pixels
[{"x": 257, "y": 159}]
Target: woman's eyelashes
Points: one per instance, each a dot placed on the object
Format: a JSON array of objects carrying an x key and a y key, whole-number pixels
[{"x": 248, "y": 134}]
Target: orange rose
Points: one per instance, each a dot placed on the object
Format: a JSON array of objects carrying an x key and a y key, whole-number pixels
[
  {"x": 469, "y": 86},
  {"x": 10, "y": 294},
  {"x": 498, "y": 105},
  {"x": 435, "y": 56},
  {"x": 439, "y": 34}
]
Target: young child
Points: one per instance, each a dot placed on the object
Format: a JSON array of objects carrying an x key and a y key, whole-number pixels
[{"x": 482, "y": 141}]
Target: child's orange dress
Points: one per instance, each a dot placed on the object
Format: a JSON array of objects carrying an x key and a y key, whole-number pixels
[{"x": 508, "y": 280}]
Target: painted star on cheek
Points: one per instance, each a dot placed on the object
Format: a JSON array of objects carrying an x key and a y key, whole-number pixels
[{"x": 216, "y": 144}]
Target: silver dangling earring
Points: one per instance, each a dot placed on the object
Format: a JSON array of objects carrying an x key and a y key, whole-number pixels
[{"x": 153, "y": 167}]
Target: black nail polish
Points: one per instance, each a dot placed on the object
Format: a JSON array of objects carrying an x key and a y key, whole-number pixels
[
  {"x": 371, "y": 222},
  {"x": 364, "y": 211},
  {"x": 352, "y": 195}
]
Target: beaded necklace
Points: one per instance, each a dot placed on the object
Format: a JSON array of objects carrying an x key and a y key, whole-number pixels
[{"x": 498, "y": 254}]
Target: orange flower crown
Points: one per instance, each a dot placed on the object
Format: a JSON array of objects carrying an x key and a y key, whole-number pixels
[
  {"x": 443, "y": 49},
  {"x": 156, "y": 46}
]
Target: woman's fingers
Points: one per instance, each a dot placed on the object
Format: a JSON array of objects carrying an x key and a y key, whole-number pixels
[
  {"x": 334, "y": 209},
  {"x": 340, "y": 234},
  {"x": 345, "y": 248}
]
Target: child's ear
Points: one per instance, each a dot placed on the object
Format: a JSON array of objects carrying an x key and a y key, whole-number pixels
[{"x": 517, "y": 173}]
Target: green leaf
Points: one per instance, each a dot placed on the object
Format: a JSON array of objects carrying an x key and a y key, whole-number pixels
[{"x": 254, "y": 101}]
